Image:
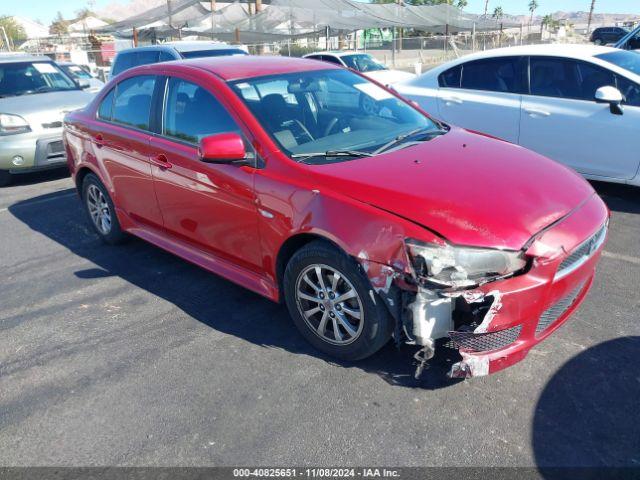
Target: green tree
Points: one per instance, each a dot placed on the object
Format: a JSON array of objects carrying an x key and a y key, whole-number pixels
[
  {"x": 15, "y": 32},
  {"x": 59, "y": 26},
  {"x": 533, "y": 5},
  {"x": 498, "y": 13},
  {"x": 462, "y": 4}
]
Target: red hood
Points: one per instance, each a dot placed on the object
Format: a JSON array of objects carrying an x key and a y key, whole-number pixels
[{"x": 471, "y": 189}]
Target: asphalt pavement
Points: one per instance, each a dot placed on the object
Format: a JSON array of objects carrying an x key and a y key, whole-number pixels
[{"x": 128, "y": 355}]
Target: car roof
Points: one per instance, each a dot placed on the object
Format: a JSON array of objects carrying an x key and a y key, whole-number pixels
[
  {"x": 337, "y": 53},
  {"x": 201, "y": 45},
  {"x": 577, "y": 51},
  {"x": 231, "y": 68},
  {"x": 183, "y": 47},
  {"x": 21, "y": 57}
]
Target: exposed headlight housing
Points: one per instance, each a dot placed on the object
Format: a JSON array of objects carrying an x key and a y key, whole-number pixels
[
  {"x": 462, "y": 267},
  {"x": 13, "y": 124}
]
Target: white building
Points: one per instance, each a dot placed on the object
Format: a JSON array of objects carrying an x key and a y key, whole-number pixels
[{"x": 31, "y": 28}]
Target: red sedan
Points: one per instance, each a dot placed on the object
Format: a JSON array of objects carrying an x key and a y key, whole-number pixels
[{"x": 310, "y": 184}]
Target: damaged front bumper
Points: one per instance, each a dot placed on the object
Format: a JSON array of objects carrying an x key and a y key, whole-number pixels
[{"x": 494, "y": 326}]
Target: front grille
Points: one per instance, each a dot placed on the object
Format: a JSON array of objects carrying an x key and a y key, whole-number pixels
[
  {"x": 485, "y": 342},
  {"x": 555, "y": 311},
  {"x": 582, "y": 253}
]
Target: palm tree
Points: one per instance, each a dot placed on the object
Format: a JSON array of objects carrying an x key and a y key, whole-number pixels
[
  {"x": 532, "y": 8},
  {"x": 462, "y": 4},
  {"x": 547, "y": 21},
  {"x": 593, "y": 4},
  {"x": 486, "y": 8},
  {"x": 498, "y": 13}
]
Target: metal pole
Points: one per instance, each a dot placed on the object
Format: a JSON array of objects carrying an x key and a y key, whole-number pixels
[
  {"x": 393, "y": 47},
  {"x": 328, "y": 34},
  {"x": 213, "y": 17},
  {"x": 6, "y": 39}
]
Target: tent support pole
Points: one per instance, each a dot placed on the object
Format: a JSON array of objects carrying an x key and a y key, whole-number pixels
[{"x": 135, "y": 37}]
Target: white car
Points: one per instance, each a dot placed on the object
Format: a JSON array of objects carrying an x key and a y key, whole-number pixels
[
  {"x": 365, "y": 64},
  {"x": 576, "y": 104}
]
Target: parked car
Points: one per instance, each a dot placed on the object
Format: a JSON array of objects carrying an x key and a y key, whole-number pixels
[
  {"x": 82, "y": 76},
  {"x": 34, "y": 96},
  {"x": 577, "y": 104},
  {"x": 307, "y": 183},
  {"x": 605, "y": 35},
  {"x": 166, "y": 52},
  {"x": 363, "y": 63},
  {"x": 631, "y": 41}
]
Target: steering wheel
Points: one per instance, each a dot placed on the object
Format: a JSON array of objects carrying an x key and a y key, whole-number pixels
[
  {"x": 368, "y": 104},
  {"x": 331, "y": 126}
]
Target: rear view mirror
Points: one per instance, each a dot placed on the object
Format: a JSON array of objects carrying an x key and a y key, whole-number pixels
[
  {"x": 612, "y": 96},
  {"x": 223, "y": 148},
  {"x": 83, "y": 83}
]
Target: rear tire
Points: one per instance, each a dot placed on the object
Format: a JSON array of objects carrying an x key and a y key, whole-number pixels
[
  {"x": 101, "y": 211},
  {"x": 5, "y": 178},
  {"x": 332, "y": 303},
  {"x": 597, "y": 41}
]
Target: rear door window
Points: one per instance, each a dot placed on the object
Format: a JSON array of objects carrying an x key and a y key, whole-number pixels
[
  {"x": 123, "y": 62},
  {"x": 492, "y": 74},
  {"x": 132, "y": 105}
]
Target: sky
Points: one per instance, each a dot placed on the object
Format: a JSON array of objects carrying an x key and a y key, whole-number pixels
[{"x": 45, "y": 10}]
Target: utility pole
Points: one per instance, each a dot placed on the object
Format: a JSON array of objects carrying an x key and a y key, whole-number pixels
[
  {"x": 170, "y": 17},
  {"x": 593, "y": 4},
  {"x": 213, "y": 17}
]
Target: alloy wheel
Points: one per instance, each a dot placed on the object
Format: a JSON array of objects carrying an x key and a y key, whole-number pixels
[
  {"x": 329, "y": 304},
  {"x": 99, "y": 209}
]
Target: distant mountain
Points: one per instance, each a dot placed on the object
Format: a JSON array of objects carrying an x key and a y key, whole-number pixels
[{"x": 577, "y": 18}]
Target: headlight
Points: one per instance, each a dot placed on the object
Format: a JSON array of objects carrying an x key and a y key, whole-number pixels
[
  {"x": 13, "y": 124},
  {"x": 459, "y": 267}
]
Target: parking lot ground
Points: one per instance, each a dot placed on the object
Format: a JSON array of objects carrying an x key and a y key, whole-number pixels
[{"x": 130, "y": 356}]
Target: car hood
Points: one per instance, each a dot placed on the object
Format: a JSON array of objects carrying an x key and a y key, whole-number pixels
[
  {"x": 49, "y": 106},
  {"x": 389, "y": 77},
  {"x": 469, "y": 188}
]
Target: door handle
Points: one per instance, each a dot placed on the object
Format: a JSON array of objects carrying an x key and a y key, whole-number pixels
[
  {"x": 534, "y": 111},
  {"x": 161, "y": 161},
  {"x": 450, "y": 100}
]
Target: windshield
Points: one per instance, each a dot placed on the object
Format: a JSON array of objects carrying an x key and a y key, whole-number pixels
[
  {"x": 330, "y": 110},
  {"x": 213, "y": 53},
  {"x": 627, "y": 59},
  {"x": 362, "y": 62},
  {"x": 78, "y": 72},
  {"x": 33, "y": 77}
]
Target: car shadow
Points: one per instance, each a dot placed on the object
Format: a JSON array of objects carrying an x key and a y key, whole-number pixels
[
  {"x": 32, "y": 178},
  {"x": 587, "y": 417},
  {"x": 619, "y": 198},
  {"x": 210, "y": 299}
]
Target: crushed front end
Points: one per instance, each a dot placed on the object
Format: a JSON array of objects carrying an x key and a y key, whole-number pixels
[{"x": 493, "y": 305}]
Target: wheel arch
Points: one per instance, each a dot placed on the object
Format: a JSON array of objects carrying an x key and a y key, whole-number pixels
[{"x": 290, "y": 246}]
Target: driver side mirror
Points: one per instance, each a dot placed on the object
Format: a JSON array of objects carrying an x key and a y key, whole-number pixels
[
  {"x": 612, "y": 96},
  {"x": 223, "y": 148}
]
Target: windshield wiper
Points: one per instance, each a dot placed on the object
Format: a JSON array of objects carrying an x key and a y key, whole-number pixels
[
  {"x": 402, "y": 137},
  {"x": 331, "y": 153}
]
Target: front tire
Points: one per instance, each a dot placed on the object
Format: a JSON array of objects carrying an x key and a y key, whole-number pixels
[
  {"x": 101, "y": 211},
  {"x": 332, "y": 303},
  {"x": 5, "y": 178}
]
